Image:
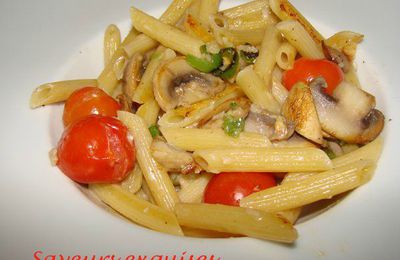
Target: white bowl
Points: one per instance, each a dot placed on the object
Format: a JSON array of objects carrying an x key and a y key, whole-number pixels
[{"x": 44, "y": 213}]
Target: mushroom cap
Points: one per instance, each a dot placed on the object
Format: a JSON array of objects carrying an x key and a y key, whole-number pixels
[
  {"x": 299, "y": 107},
  {"x": 349, "y": 114},
  {"x": 176, "y": 83}
]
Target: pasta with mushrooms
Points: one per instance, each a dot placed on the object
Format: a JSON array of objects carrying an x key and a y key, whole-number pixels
[{"x": 250, "y": 107}]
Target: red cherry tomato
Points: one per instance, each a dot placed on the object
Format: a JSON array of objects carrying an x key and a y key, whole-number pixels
[
  {"x": 89, "y": 101},
  {"x": 306, "y": 70},
  {"x": 229, "y": 187},
  {"x": 96, "y": 149}
]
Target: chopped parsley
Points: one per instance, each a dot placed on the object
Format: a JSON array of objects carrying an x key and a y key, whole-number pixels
[
  {"x": 154, "y": 131},
  {"x": 233, "y": 105},
  {"x": 233, "y": 126}
]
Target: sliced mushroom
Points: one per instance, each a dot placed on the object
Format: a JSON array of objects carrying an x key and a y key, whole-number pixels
[
  {"x": 238, "y": 108},
  {"x": 132, "y": 75},
  {"x": 260, "y": 121},
  {"x": 176, "y": 83},
  {"x": 349, "y": 114},
  {"x": 299, "y": 107},
  {"x": 337, "y": 57},
  {"x": 173, "y": 158}
]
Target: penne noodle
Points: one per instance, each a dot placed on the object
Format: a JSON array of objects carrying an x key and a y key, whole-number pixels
[
  {"x": 108, "y": 80},
  {"x": 255, "y": 89},
  {"x": 286, "y": 11},
  {"x": 167, "y": 35},
  {"x": 136, "y": 209},
  {"x": 296, "y": 35},
  {"x": 144, "y": 91},
  {"x": 171, "y": 16},
  {"x": 194, "y": 28},
  {"x": 262, "y": 160},
  {"x": 140, "y": 44},
  {"x": 370, "y": 152},
  {"x": 192, "y": 187},
  {"x": 207, "y": 8},
  {"x": 292, "y": 215},
  {"x": 245, "y": 9},
  {"x": 112, "y": 41},
  {"x": 285, "y": 56},
  {"x": 156, "y": 176},
  {"x": 191, "y": 139},
  {"x": 235, "y": 220},
  {"x": 59, "y": 91},
  {"x": 149, "y": 112},
  {"x": 265, "y": 62},
  {"x": 321, "y": 186},
  {"x": 133, "y": 182}
]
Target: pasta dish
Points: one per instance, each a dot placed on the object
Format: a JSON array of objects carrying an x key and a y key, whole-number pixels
[{"x": 219, "y": 123}]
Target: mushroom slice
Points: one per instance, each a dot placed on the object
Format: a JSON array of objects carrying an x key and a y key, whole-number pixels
[
  {"x": 176, "y": 83},
  {"x": 276, "y": 127},
  {"x": 173, "y": 158},
  {"x": 132, "y": 75},
  {"x": 349, "y": 114},
  {"x": 299, "y": 107}
]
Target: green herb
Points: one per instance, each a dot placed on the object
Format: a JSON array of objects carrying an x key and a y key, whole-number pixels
[
  {"x": 233, "y": 105},
  {"x": 233, "y": 126},
  {"x": 207, "y": 64},
  {"x": 154, "y": 131},
  {"x": 230, "y": 56},
  {"x": 330, "y": 154}
]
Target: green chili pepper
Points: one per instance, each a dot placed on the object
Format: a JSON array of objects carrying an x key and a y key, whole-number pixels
[
  {"x": 228, "y": 55},
  {"x": 154, "y": 131},
  {"x": 233, "y": 126},
  {"x": 209, "y": 63}
]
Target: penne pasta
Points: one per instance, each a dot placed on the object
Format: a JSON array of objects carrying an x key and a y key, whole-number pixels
[
  {"x": 207, "y": 8},
  {"x": 255, "y": 89},
  {"x": 245, "y": 9},
  {"x": 156, "y": 177},
  {"x": 262, "y": 160},
  {"x": 292, "y": 215},
  {"x": 59, "y": 91},
  {"x": 167, "y": 35},
  {"x": 112, "y": 41},
  {"x": 285, "y": 56},
  {"x": 321, "y": 186},
  {"x": 192, "y": 187},
  {"x": 136, "y": 209},
  {"x": 235, "y": 220},
  {"x": 133, "y": 182},
  {"x": 191, "y": 139},
  {"x": 149, "y": 112},
  {"x": 144, "y": 91},
  {"x": 286, "y": 11},
  {"x": 265, "y": 62},
  {"x": 108, "y": 80},
  {"x": 296, "y": 35},
  {"x": 370, "y": 152}
]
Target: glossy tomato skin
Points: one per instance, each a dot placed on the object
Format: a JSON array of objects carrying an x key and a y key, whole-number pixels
[
  {"x": 96, "y": 149},
  {"x": 306, "y": 70},
  {"x": 229, "y": 187},
  {"x": 89, "y": 101}
]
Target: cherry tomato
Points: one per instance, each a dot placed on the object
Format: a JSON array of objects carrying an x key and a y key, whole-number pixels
[
  {"x": 96, "y": 149},
  {"x": 306, "y": 70},
  {"x": 229, "y": 187},
  {"x": 89, "y": 101}
]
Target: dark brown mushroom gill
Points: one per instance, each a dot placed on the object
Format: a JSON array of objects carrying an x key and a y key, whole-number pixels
[
  {"x": 176, "y": 83},
  {"x": 349, "y": 114}
]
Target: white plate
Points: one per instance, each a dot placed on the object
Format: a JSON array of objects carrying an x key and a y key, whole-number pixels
[{"x": 41, "y": 210}]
